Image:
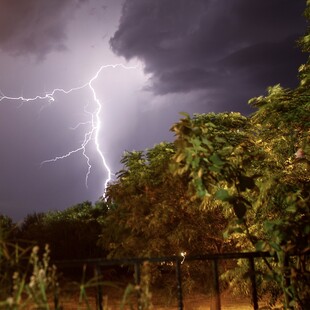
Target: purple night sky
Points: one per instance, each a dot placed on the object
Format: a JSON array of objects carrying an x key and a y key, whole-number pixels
[{"x": 194, "y": 56}]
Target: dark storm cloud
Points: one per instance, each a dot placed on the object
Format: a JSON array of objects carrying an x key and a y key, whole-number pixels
[
  {"x": 213, "y": 45},
  {"x": 34, "y": 26}
]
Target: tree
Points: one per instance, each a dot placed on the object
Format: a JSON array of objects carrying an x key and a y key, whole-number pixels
[
  {"x": 72, "y": 233},
  {"x": 7, "y": 227},
  {"x": 258, "y": 167},
  {"x": 152, "y": 214}
]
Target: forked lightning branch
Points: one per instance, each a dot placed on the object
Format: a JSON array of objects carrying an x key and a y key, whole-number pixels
[{"x": 95, "y": 122}]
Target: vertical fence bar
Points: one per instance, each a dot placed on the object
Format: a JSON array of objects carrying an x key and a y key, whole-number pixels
[
  {"x": 137, "y": 277},
  {"x": 56, "y": 298},
  {"x": 99, "y": 294},
  {"x": 253, "y": 281},
  {"x": 216, "y": 285},
  {"x": 137, "y": 273},
  {"x": 179, "y": 283}
]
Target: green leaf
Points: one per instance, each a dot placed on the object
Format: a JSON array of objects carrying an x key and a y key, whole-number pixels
[
  {"x": 269, "y": 226},
  {"x": 194, "y": 162},
  {"x": 206, "y": 141},
  {"x": 215, "y": 159},
  {"x": 222, "y": 194},
  {"x": 260, "y": 245},
  {"x": 226, "y": 234},
  {"x": 215, "y": 169},
  {"x": 220, "y": 140},
  {"x": 185, "y": 114},
  {"x": 275, "y": 246},
  {"x": 291, "y": 209},
  {"x": 307, "y": 229}
]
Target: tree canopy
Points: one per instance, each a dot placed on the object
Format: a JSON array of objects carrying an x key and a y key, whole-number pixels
[
  {"x": 153, "y": 212},
  {"x": 259, "y": 168}
]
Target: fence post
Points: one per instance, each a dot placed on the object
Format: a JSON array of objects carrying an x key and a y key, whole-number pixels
[
  {"x": 99, "y": 288},
  {"x": 137, "y": 277},
  {"x": 253, "y": 281},
  {"x": 216, "y": 285},
  {"x": 56, "y": 298},
  {"x": 179, "y": 283},
  {"x": 137, "y": 273}
]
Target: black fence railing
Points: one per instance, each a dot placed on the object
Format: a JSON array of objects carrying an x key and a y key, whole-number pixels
[{"x": 177, "y": 261}]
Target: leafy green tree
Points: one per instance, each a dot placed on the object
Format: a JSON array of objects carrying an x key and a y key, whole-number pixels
[
  {"x": 72, "y": 233},
  {"x": 260, "y": 172},
  {"x": 33, "y": 229},
  {"x": 7, "y": 227},
  {"x": 153, "y": 214},
  {"x": 258, "y": 167}
]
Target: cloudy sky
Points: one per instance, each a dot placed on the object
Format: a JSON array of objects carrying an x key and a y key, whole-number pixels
[{"x": 195, "y": 56}]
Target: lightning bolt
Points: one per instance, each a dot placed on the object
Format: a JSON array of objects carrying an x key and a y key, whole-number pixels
[{"x": 95, "y": 122}]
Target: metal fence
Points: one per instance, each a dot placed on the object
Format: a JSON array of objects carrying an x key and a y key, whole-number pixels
[{"x": 177, "y": 261}]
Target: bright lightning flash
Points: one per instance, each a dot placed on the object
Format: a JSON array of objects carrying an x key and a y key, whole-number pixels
[{"x": 95, "y": 122}]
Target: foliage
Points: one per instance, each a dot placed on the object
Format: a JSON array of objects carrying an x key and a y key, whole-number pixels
[
  {"x": 7, "y": 227},
  {"x": 72, "y": 233},
  {"x": 259, "y": 168},
  {"x": 26, "y": 279},
  {"x": 153, "y": 214}
]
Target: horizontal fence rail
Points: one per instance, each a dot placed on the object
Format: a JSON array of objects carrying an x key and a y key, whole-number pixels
[{"x": 177, "y": 260}]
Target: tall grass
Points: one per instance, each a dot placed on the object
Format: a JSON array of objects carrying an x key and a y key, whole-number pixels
[{"x": 28, "y": 280}]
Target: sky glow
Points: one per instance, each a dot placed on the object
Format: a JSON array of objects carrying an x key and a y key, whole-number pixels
[
  {"x": 194, "y": 56},
  {"x": 91, "y": 135}
]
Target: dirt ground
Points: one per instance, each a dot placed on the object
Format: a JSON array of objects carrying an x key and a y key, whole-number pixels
[
  {"x": 192, "y": 302},
  {"x": 71, "y": 299}
]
